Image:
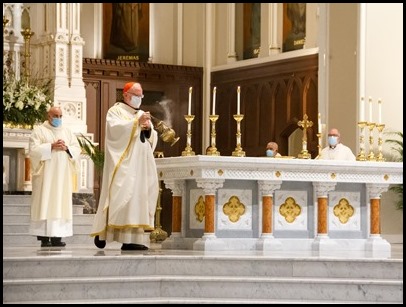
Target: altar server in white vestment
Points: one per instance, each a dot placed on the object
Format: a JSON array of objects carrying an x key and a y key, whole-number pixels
[
  {"x": 130, "y": 183},
  {"x": 54, "y": 151},
  {"x": 335, "y": 149}
]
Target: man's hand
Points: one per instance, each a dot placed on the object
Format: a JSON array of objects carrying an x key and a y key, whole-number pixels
[
  {"x": 59, "y": 145},
  {"x": 145, "y": 121}
]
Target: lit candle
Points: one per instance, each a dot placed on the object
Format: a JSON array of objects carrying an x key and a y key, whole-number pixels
[
  {"x": 189, "y": 111},
  {"x": 370, "y": 109},
  {"x": 379, "y": 111},
  {"x": 238, "y": 100},
  {"x": 319, "y": 123},
  {"x": 214, "y": 101},
  {"x": 362, "y": 110}
]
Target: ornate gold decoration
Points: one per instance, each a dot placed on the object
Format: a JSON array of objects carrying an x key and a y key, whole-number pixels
[
  {"x": 167, "y": 134},
  {"x": 380, "y": 157},
  {"x": 333, "y": 175},
  {"x": 238, "y": 152},
  {"x": 386, "y": 177},
  {"x": 158, "y": 234},
  {"x": 220, "y": 172},
  {"x": 212, "y": 150},
  {"x": 343, "y": 210},
  {"x": 304, "y": 154},
  {"x": 188, "y": 149},
  {"x": 290, "y": 210},
  {"x": 361, "y": 155},
  {"x": 161, "y": 174},
  {"x": 234, "y": 209},
  {"x": 278, "y": 174},
  {"x": 199, "y": 209},
  {"x": 191, "y": 172},
  {"x": 371, "y": 155}
]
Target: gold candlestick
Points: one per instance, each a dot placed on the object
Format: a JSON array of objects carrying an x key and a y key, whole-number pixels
[
  {"x": 212, "y": 150},
  {"x": 158, "y": 234},
  {"x": 319, "y": 148},
  {"x": 188, "y": 150},
  {"x": 361, "y": 155},
  {"x": 27, "y": 34},
  {"x": 238, "y": 152},
  {"x": 371, "y": 155},
  {"x": 380, "y": 157},
  {"x": 304, "y": 154}
]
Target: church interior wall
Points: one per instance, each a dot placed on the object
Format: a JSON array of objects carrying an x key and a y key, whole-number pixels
[{"x": 384, "y": 58}]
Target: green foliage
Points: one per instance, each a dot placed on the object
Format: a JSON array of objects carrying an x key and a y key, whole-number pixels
[
  {"x": 93, "y": 151},
  {"x": 397, "y": 146}
]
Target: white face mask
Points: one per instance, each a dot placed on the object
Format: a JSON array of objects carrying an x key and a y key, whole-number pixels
[{"x": 135, "y": 101}]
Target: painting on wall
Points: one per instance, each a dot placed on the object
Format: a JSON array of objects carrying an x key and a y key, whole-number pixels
[
  {"x": 294, "y": 26},
  {"x": 252, "y": 30},
  {"x": 126, "y": 31}
]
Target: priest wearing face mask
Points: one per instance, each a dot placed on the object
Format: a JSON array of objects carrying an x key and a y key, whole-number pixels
[
  {"x": 130, "y": 184},
  {"x": 335, "y": 150},
  {"x": 272, "y": 150},
  {"x": 54, "y": 151}
]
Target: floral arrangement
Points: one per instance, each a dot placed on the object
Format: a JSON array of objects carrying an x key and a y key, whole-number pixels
[{"x": 25, "y": 104}]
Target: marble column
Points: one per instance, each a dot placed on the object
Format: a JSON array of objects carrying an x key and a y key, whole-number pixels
[
  {"x": 375, "y": 244},
  {"x": 322, "y": 242},
  {"x": 267, "y": 240},
  {"x": 176, "y": 239},
  {"x": 209, "y": 240}
]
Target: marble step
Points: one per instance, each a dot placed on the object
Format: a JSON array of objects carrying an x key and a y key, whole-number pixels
[
  {"x": 16, "y": 199},
  {"x": 25, "y": 209},
  {"x": 25, "y": 239},
  {"x": 155, "y": 262},
  {"x": 24, "y": 218},
  {"x": 224, "y": 287},
  {"x": 191, "y": 300},
  {"x": 23, "y": 228}
]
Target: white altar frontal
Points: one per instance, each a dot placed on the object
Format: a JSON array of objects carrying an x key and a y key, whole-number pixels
[{"x": 260, "y": 203}]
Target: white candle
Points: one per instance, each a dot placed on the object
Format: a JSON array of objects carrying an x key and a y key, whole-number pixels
[
  {"x": 362, "y": 110},
  {"x": 379, "y": 111},
  {"x": 214, "y": 101},
  {"x": 370, "y": 109},
  {"x": 319, "y": 124},
  {"x": 238, "y": 100},
  {"x": 189, "y": 110}
]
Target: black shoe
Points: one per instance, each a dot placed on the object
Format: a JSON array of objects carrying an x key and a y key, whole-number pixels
[
  {"x": 57, "y": 242},
  {"x": 133, "y": 247},
  {"x": 45, "y": 242},
  {"x": 99, "y": 243}
]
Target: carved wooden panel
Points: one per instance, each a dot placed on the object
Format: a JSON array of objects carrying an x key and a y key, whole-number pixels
[{"x": 274, "y": 97}]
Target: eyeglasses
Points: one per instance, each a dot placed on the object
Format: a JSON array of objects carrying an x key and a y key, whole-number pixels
[{"x": 141, "y": 96}]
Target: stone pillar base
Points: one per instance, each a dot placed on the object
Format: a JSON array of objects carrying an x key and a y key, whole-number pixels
[
  {"x": 267, "y": 242},
  {"x": 376, "y": 246}
]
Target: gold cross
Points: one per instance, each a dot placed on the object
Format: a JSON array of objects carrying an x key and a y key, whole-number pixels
[{"x": 305, "y": 124}]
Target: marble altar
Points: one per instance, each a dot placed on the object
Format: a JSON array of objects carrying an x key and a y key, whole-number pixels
[{"x": 260, "y": 203}]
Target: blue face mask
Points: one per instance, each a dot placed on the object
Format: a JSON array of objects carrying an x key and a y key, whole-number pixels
[
  {"x": 269, "y": 153},
  {"x": 56, "y": 122},
  {"x": 332, "y": 140}
]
